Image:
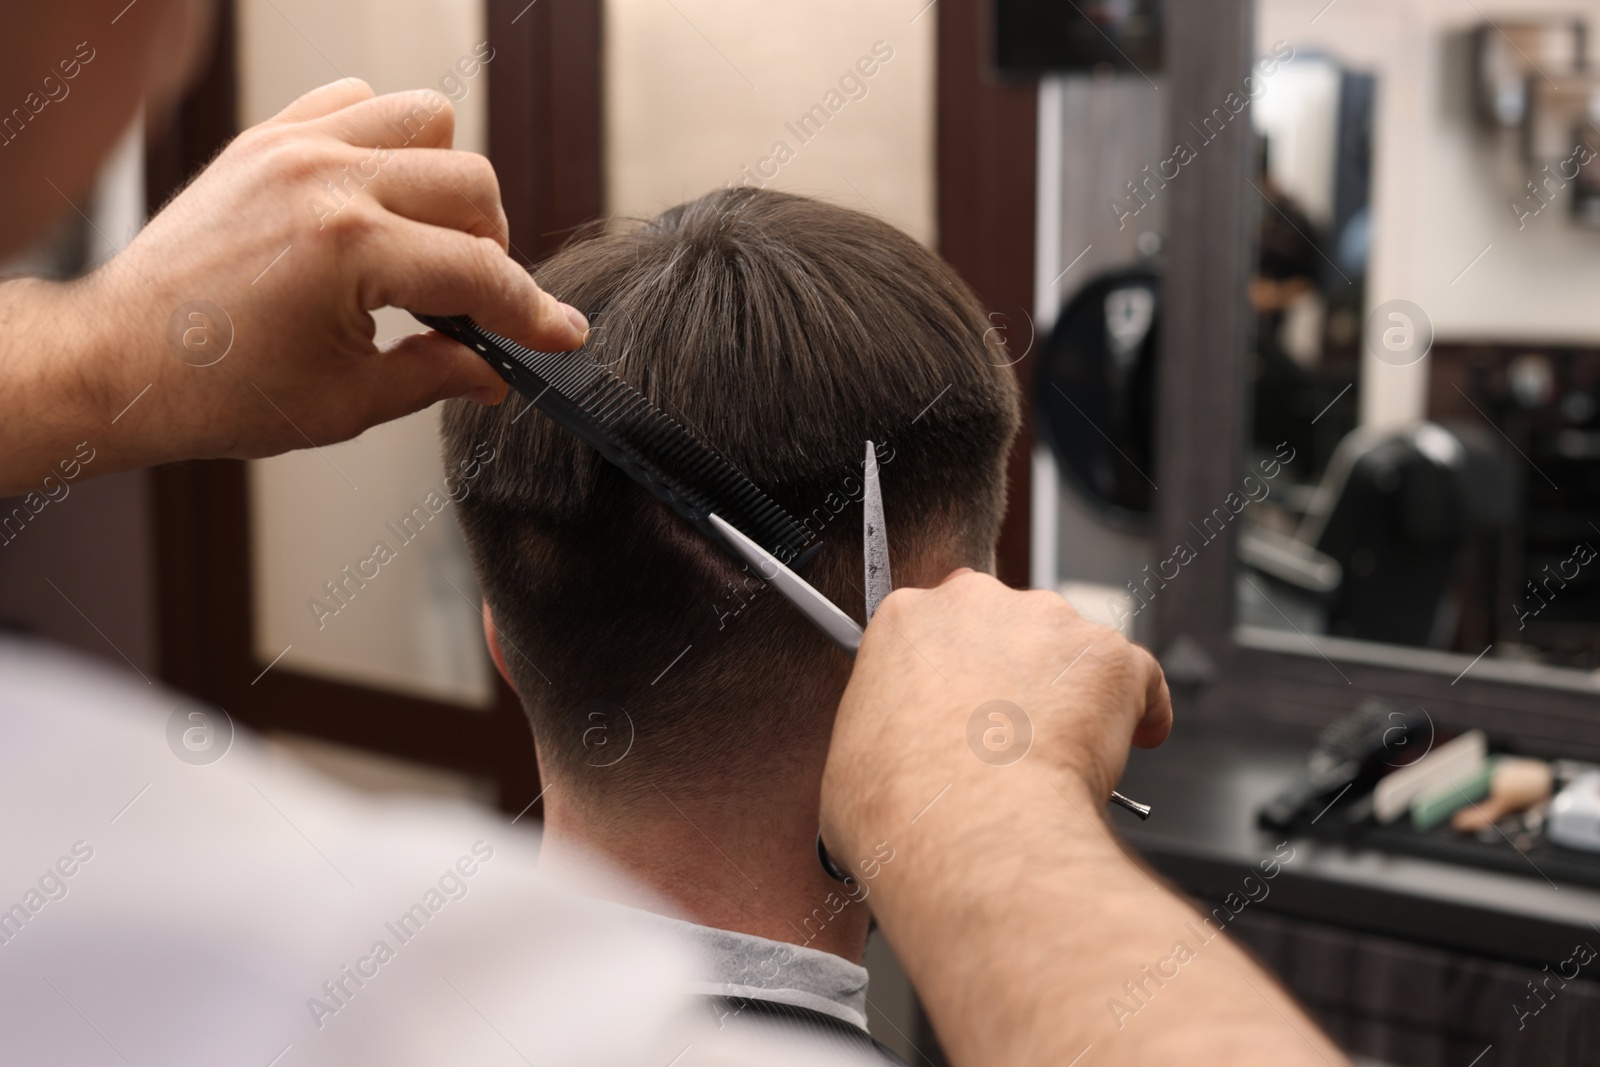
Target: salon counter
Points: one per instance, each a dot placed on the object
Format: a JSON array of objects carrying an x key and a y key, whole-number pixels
[{"x": 1205, "y": 786}]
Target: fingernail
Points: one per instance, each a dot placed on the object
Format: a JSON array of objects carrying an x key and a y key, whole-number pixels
[{"x": 576, "y": 317}]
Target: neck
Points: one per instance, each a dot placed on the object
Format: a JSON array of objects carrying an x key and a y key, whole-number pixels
[{"x": 741, "y": 862}]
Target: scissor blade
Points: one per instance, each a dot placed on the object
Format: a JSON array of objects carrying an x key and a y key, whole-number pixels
[
  {"x": 823, "y": 613},
  {"x": 874, "y": 535}
]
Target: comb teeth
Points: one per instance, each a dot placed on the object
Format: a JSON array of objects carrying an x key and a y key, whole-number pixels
[{"x": 623, "y": 425}]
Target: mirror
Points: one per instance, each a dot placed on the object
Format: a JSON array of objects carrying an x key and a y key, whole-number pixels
[{"x": 1424, "y": 432}]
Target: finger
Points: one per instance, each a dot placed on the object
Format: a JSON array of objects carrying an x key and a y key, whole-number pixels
[
  {"x": 1156, "y": 722},
  {"x": 418, "y": 118},
  {"x": 421, "y": 369},
  {"x": 457, "y": 190},
  {"x": 437, "y": 271},
  {"x": 325, "y": 100}
]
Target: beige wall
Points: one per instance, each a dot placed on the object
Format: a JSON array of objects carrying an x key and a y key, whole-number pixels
[
  {"x": 699, "y": 90},
  {"x": 289, "y": 46}
]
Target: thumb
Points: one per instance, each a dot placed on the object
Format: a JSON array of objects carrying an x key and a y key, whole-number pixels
[{"x": 420, "y": 369}]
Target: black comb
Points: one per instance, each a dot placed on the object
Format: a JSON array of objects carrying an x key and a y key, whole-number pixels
[{"x": 623, "y": 425}]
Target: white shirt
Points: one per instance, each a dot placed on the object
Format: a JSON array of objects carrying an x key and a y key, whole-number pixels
[
  {"x": 157, "y": 911},
  {"x": 744, "y": 965}
]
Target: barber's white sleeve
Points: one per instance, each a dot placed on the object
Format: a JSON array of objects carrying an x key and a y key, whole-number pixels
[{"x": 160, "y": 911}]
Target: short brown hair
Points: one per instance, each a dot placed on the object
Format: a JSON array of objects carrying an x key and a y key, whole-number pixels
[{"x": 784, "y": 332}]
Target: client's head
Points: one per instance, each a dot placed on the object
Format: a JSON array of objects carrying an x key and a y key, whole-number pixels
[{"x": 784, "y": 333}]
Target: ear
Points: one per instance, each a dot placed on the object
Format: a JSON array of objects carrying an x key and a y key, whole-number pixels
[{"x": 492, "y": 636}]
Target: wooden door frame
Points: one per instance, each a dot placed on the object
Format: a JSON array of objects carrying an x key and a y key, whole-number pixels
[{"x": 986, "y": 134}]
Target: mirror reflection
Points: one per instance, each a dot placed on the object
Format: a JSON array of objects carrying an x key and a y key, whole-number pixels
[{"x": 1424, "y": 435}]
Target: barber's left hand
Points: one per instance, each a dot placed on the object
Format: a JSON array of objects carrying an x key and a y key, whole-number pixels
[{"x": 342, "y": 203}]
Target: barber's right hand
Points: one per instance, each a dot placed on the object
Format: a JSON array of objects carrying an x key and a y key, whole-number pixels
[
  {"x": 919, "y": 716},
  {"x": 341, "y": 204}
]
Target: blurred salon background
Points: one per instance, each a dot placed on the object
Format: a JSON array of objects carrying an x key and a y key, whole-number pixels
[{"x": 1304, "y": 294}]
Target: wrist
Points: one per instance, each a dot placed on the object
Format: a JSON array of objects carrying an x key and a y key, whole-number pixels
[
  {"x": 986, "y": 877},
  {"x": 111, "y": 374},
  {"x": 48, "y": 373},
  {"x": 972, "y": 812}
]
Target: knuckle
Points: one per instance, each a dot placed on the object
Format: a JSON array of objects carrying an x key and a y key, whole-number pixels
[
  {"x": 1046, "y": 602},
  {"x": 1052, "y": 613},
  {"x": 1119, "y": 641},
  {"x": 354, "y": 224},
  {"x": 498, "y": 276},
  {"x": 897, "y": 603},
  {"x": 293, "y": 159},
  {"x": 1149, "y": 664},
  {"x": 432, "y": 103},
  {"x": 1113, "y": 637},
  {"x": 1133, "y": 662},
  {"x": 251, "y": 141},
  {"x": 974, "y": 585},
  {"x": 479, "y": 174},
  {"x": 487, "y": 262},
  {"x": 441, "y": 106}
]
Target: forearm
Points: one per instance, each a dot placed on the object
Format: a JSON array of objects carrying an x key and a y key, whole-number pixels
[
  {"x": 59, "y": 387},
  {"x": 1030, "y": 938}
]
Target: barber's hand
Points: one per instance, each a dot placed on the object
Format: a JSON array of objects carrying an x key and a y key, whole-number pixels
[
  {"x": 909, "y": 726},
  {"x": 341, "y": 204},
  {"x": 989, "y": 863}
]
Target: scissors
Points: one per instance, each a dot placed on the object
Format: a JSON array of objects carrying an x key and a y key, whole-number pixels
[{"x": 825, "y": 614}]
